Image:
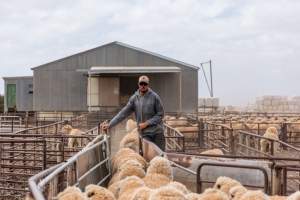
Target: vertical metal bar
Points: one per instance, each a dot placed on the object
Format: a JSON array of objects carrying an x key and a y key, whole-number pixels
[
  {"x": 211, "y": 80},
  {"x": 44, "y": 154},
  {"x": 12, "y": 124}
]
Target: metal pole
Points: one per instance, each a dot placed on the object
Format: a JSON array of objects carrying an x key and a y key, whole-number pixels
[{"x": 211, "y": 80}]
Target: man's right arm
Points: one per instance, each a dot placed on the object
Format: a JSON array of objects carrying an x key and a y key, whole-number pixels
[{"x": 125, "y": 112}]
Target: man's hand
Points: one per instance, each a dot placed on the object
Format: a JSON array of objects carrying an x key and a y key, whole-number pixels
[
  {"x": 143, "y": 125},
  {"x": 104, "y": 126}
]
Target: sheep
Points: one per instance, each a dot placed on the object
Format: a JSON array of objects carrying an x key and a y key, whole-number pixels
[
  {"x": 265, "y": 144},
  {"x": 213, "y": 152},
  {"x": 129, "y": 168},
  {"x": 130, "y": 125},
  {"x": 71, "y": 193},
  {"x": 179, "y": 186},
  {"x": 115, "y": 188},
  {"x": 160, "y": 165},
  {"x": 124, "y": 155},
  {"x": 213, "y": 194},
  {"x": 175, "y": 123},
  {"x": 236, "y": 192},
  {"x": 95, "y": 192},
  {"x": 131, "y": 140},
  {"x": 254, "y": 195},
  {"x": 277, "y": 197},
  {"x": 154, "y": 180},
  {"x": 128, "y": 187},
  {"x": 73, "y": 141},
  {"x": 167, "y": 193},
  {"x": 294, "y": 196},
  {"x": 142, "y": 193},
  {"x": 225, "y": 184},
  {"x": 193, "y": 196}
]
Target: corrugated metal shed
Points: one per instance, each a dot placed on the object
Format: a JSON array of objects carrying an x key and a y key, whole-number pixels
[{"x": 62, "y": 85}]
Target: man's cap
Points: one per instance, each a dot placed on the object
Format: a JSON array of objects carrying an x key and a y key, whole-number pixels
[{"x": 144, "y": 79}]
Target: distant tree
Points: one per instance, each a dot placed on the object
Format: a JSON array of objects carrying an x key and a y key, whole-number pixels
[{"x": 1, "y": 103}]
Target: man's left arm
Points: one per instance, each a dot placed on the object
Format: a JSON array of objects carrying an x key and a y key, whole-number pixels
[{"x": 157, "y": 118}]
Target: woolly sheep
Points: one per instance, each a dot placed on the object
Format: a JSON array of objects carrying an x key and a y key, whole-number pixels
[
  {"x": 254, "y": 195},
  {"x": 154, "y": 180},
  {"x": 277, "y": 197},
  {"x": 213, "y": 152},
  {"x": 124, "y": 155},
  {"x": 69, "y": 130},
  {"x": 160, "y": 165},
  {"x": 193, "y": 196},
  {"x": 95, "y": 192},
  {"x": 128, "y": 187},
  {"x": 179, "y": 186},
  {"x": 236, "y": 192},
  {"x": 270, "y": 133},
  {"x": 71, "y": 193},
  {"x": 294, "y": 196},
  {"x": 167, "y": 193},
  {"x": 115, "y": 188},
  {"x": 130, "y": 125},
  {"x": 129, "y": 168},
  {"x": 142, "y": 193},
  {"x": 225, "y": 184},
  {"x": 131, "y": 140},
  {"x": 213, "y": 194}
]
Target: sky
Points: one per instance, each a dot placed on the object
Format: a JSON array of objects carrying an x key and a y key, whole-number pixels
[{"x": 254, "y": 45}]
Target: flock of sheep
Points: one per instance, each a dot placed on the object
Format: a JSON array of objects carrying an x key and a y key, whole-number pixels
[{"x": 135, "y": 179}]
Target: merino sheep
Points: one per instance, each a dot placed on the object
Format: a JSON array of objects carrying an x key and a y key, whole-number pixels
[
  {"x": 155, "y": 180},
  {"x": 142, "y": 193},
  {"x": 124, "y": 155},
  {"x": 95, "y": 192},
  {"x": 225, "y": 184},
  {"x": 129, "y": 168},
  {"x": 160, "y": 165},
  {"x": 213, "y": 152},
  {"x": 294, "y": 196},
  {"x": 265, "y": 145},
  {"x": 131, "y": 140},
  {"x": 193, "y": 196},
  {"x": 73, "y": 141},
  {"x": 213, "y": 194},
  {"x": 71, "y": 193},
  {"x": 130, "y": 125},
  {"x": 179, "y": 186},
  {"x": 254, "y": 195},
  {"x": 236, "y": 192},
  {"x": 128, "y": 187},
  {"x": 276, "y": 197},
  {"x": 167, "y": 193},
  {"x": 115, "y": 188}
]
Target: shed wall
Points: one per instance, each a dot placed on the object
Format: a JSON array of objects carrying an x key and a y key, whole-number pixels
[{"x": 62, "y": 85}]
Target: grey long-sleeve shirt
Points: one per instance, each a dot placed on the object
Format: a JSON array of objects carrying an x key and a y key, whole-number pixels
[{"x": 147, "y": 108}]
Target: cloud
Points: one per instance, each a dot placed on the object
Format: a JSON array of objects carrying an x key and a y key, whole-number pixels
[{"x": 254, "y": 45}]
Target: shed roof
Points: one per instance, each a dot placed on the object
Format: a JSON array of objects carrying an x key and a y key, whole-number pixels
[{"x": 130, "y": 47}]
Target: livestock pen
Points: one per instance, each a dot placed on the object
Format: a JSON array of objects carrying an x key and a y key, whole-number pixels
[{"x": 274, "y": 172}]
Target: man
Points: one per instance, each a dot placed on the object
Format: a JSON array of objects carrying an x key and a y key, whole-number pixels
[{"x": 148, "y": 109}]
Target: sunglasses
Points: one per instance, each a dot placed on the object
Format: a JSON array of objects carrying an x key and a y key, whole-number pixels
[{"x": 143, "y": 84}]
